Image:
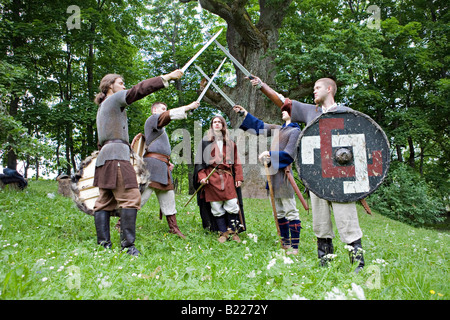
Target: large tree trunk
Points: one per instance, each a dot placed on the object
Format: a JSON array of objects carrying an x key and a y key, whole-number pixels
[{"x": 249, "y": 43}]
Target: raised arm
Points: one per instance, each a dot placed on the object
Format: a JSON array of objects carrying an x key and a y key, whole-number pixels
[{"x": 274, "y": 96}]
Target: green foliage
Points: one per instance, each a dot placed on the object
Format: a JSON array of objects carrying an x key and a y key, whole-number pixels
[
  {"x": 405, "y": 196},
  {"x": 48, "y": 251}
]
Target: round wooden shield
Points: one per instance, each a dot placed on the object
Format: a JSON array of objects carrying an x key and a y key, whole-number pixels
[
  {"x": 85, "y": 194},
  {"x": 138, "y": 145},
  {"x": 343, "y": 156}
]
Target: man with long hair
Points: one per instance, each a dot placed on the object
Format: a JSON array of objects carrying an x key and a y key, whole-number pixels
[
  {"x": 220, "y": 200},
  {"x": 114, "y": 175}
]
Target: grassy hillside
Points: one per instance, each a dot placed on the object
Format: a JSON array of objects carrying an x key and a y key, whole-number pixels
[{"x": 48, "y": 251}]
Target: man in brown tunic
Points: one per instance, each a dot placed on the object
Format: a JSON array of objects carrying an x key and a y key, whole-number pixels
[
  {"x": 220, "y": 152},
  {"x": 114, "y": 175}
]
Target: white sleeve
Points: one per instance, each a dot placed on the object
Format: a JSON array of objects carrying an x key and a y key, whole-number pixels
[{"x": 178, "y": 113}]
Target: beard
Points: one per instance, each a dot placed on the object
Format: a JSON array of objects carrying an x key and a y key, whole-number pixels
[{"x": 318, "y": 100}]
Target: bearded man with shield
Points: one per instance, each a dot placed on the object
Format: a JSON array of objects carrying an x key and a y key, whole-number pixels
[
  {"x": 114, "y": 174},
  {"x": 343, "y": 156}
]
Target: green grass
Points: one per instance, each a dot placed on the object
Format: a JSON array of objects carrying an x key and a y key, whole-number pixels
[{"x": 48, "y": 251}]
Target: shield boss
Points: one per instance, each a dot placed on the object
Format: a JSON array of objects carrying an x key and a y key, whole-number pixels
[{"x": 343, "y": 156}]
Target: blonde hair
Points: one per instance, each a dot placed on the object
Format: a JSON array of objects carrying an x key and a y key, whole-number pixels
[
  {"x": 329, "y": 83},
  {"x": 104, "y": 86}
]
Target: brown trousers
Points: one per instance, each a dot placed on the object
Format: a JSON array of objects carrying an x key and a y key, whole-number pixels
[{"x": 120, "y": 197}]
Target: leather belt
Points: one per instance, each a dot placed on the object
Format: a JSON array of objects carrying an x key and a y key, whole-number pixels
[
  {"x": 159, "y": 156},
  {"x": 115, "y": 141},
  {"x": 224, "y": 171}
]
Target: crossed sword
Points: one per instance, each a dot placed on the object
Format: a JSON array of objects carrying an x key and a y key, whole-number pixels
[{"x": 231, "y": 102}]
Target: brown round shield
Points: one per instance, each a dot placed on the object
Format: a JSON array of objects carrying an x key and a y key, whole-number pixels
[
  {"x": 84, "y": 193},
  {"x": 343, "y": 156}
]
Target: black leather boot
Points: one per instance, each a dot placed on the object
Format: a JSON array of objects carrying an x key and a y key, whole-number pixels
[
  {"x": 324, "y": 248},
  {"x": 128, "y": 231},
  {"x": 356, "y": 255},
  {"x": 101, "y": 219}
]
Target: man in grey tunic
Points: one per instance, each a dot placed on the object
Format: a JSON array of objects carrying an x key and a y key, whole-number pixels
[
  {"x": 345, "y": 214},
  {"x": 157, "y": 158},
  {"x": 114, "y": 175}
]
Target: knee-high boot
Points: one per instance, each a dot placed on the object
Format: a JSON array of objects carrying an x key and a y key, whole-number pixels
[
  {"x": 101, "y": 219},
  {"x": 128, "y": 231},
  {"x": 294, "y": 228},
  {"x": 173, "y": 227},
  {"x": 283, "y": 223},
  {"x": 324, "y": 248},
  {"x": 356, "y": 254}
]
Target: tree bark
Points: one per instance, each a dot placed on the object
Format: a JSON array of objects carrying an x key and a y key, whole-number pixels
[{"x": 249, "y": 43}]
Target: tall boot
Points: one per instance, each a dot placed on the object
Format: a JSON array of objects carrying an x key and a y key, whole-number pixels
[
  {"x": 324, "y": 248},
  {"x": 294, "y": 228},
  {"x": 223, "y": 230},
  {"x": 283, "y": 223},
  {"x": 101, "y": 219},
  {"x": 356, "y": 255},
  {"x": 128, "y": 231},
  {"x": 172, "y": 221},
  {"x": 235, "y": 222}
]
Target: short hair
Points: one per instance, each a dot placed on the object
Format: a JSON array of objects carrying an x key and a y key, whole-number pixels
[
  {"x": 329, "y": 83},
  {"x": 156, "y": 103}
]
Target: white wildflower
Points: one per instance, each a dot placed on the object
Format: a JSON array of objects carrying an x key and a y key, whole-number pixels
[
  {"x": 357, "y": 292},
  {"x": 287, "y": 260},
  {"x": 271, "y": 263},
  {"x": 253, "y": 236},
  {"x": 335, "y": 294},
  {"x": 296, "y": 297}
]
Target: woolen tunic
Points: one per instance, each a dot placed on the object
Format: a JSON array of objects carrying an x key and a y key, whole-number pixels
[
  {"x": 283, "y": 150},
  {"x": 112, "y": 124},
  {"x": 221, "y": 184}
]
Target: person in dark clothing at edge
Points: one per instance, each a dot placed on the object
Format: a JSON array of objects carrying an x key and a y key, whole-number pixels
[
  {"x": 114, "y": 174},
  {"x": 345, "y": 214}
]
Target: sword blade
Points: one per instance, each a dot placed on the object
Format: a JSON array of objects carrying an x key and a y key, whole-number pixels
[
  {"x": 215, "y": 86},
  {"x": 200, "y": 51},
  {"x": 236, "y": 63},
  {"x": 210, "y": 81}
]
